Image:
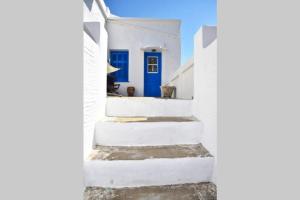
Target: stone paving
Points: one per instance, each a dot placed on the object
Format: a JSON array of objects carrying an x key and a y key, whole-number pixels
[
  {"x": 148, "y": 152},
  {"x": 194, "y": 191}
]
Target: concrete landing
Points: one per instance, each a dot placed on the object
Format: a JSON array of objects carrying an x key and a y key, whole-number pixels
[
  {"x": 148, "y": 152},
  {"x": 197, "y": 191}
]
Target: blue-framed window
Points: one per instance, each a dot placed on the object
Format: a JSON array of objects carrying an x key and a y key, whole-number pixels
[{"x": 119, "y": 59}]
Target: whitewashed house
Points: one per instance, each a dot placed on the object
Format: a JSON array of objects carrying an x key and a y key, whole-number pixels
[{"x": 147, "y": 51}]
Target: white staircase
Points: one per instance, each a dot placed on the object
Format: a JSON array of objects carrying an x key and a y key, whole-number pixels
[{"x": 161, "y": 148}]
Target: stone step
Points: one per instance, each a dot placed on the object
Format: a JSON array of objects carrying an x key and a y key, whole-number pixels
[
  {"x": 148, "y": 106},
  {"x": 148, "y": 131},
  {"x": 195, "y": 191},
  {"x": 148, "y": 152},
  {"x": 121, "y": 166}
]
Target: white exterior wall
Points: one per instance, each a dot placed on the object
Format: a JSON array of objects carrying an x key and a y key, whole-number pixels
[
  {"x": 205, "y": 83},
  {"x": 95, "y": 57},
  {"x": 183, "y": 80},
  {"x": 134, "y": 34}
]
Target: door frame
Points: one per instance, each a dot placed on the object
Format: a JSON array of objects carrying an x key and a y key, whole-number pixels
[{"x": 158, "y": 55}]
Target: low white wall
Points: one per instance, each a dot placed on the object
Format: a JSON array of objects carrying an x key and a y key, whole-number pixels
[
  {"x": 183, "y": 80},
  {"x": 94, "y": 68},
  {"x": 133, "y": 35},
  {"x": 148, "y": 106},
  {"x": 205, "y": 85}
]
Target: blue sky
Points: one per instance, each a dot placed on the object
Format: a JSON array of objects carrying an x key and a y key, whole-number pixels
[{"x": 192, "y": 13}]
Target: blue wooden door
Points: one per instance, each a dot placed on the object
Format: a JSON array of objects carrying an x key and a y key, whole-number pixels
[{"x": 152, "y": 74}]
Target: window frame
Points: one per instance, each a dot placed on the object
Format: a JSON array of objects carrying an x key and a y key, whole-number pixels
[{"x": 154, "y": 72}]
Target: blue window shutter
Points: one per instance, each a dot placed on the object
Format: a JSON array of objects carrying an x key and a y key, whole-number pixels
[{"x": 119, "y": 59}]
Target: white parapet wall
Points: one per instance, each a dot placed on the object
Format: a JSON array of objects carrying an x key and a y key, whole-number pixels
[
  {"x": 94, "y": 69},
  {"x": 183, "y": 80},
  {"x": 148, "y": 133},
  {"x": 148, "y": 106},
  {"x": 205, "y": 84},
  {"x": 150, "y": 172}
]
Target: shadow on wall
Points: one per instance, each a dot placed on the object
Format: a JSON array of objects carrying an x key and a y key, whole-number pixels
[
  {"x": 93, "y": 30},
  {"x": 209, "y": 35},
  {"x": 89, "y": 4}
]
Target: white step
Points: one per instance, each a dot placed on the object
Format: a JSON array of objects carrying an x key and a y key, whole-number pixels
[
  {"x": 148, "y": 106},
  {"x": 148, "y": 133},
  {"x": 134, "y": 168}
]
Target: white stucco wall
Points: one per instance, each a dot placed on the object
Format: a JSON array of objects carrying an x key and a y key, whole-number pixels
[
  {"x": 134, "y": 34},
  {"x": 205, "y": 85},
  {"x": 183, "y": 80},
  {"x": 94, "y": 68}
]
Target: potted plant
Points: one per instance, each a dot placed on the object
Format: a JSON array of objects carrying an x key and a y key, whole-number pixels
[
  {"x": 130, "y": 91},
  {"x": 167, "y": 91}
]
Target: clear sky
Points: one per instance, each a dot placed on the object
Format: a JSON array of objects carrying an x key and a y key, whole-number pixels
[{"x": 192, "y": 13}]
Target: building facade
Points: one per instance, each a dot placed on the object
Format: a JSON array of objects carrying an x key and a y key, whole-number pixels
[{"x": 147, "y": 51}]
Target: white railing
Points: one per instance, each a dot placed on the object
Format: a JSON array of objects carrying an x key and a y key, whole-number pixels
[{"x": 183, "y": 80}]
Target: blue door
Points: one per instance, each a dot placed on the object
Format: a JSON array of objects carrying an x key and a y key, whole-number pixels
[{"x": 152, "y": 74}]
